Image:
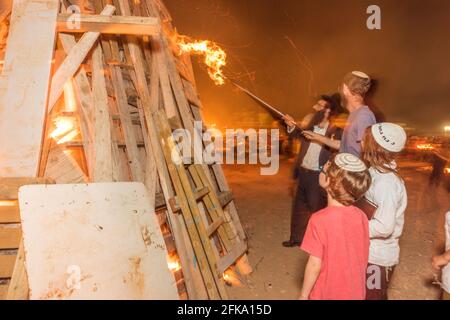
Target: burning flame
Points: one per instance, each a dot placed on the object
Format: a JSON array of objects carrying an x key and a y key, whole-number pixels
[
  {"x": 231, "y": 278},
  {"x": 173, "y": 263},
  {"x": 425, "y": 146},
  {"x": 62, "y": 126},
  {"x": 64, "y": 130},
  {"x": 68, "y": 137},
  {"x": 215, "y": 56},
  {"x": 8, "y": 203},
  {"x": 447, "y": 170}
]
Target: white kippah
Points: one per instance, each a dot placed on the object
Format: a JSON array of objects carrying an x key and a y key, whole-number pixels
[
  {"x": 390, "y": 136},
  {"x": 361, "y": 74},
  {"x": 349, "y": 162}
]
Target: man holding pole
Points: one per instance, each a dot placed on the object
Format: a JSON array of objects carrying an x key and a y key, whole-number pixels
[{"x": 309, "y": 196}]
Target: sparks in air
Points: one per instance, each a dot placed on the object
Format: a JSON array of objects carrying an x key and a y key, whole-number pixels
[{"x": 215, "y": 57}]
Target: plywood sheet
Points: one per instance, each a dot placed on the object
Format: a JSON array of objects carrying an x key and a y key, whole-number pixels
[
  {"x": 27, "y": 67},
  {"x": 96, "y": 241}
]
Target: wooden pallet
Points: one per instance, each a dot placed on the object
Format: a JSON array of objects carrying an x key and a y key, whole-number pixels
[{"x": 204, "y": 218}]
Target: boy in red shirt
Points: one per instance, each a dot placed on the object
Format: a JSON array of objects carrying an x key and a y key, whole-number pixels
[{"x": 337, "y": 238}]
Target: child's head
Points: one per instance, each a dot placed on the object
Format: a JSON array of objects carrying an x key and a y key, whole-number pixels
[
  {"x": 345, "y": 178},
  {"x": 381, "y": 144}
]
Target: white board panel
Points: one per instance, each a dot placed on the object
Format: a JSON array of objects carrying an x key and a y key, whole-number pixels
[{"x": 93, "y": 241}]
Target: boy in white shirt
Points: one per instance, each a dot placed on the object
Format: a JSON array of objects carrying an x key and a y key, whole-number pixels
[{"x": 382, "y": 143}]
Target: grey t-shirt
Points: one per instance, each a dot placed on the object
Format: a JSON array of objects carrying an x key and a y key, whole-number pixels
[{"x": 358, "y": 121}]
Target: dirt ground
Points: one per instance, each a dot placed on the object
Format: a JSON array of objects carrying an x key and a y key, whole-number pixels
[{"x": 264, "y": 205}]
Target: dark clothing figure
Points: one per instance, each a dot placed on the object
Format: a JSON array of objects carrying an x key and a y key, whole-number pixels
[
  {"x": 439, "y": 163},
  {"x": 309, "y": 197}
]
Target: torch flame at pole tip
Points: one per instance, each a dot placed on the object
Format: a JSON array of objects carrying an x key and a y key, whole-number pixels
[{"x": 215, "y": 57}]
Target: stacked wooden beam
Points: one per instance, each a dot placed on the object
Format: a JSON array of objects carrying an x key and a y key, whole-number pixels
[{"x": 109, "y": 95}]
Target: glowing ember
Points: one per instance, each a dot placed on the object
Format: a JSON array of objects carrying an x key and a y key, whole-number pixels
[
  {"x": 231, "y": 278},
  {"x": 215, "y": 56},
  {"x": 62, "y": 126},
  {"x": 425, "y": 146},
  {"x": 8, "y": 203},
  {"x": 68, "y": 137},
  {"x": 65, "y": 130},
  {"x": 174, "y": 263},
  {"x": 447, "y": 170}
]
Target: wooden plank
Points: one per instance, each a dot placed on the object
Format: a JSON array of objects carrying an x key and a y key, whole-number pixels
[
  {"x": 9, "y": 186},
  {"x": 160, "y": 202},
  {"x": 225, "y": 197},
  {"x": 201, "y": 193},
  {"x": 5, "y": 9},
  {"x": 18, "y": 286},
  {"x": 3, "y": 291},
  {"x": 62, "y": 168},
  {"x": 166, "y": 89},
  {"x": 191, "y": 95},
  {"x": 127, "y": 124},
  {"x": 130, "y": 25},
  {"x": 73, "y": 61},
  {"x": 7, "y": 263},
  {"x": 227, "y": 261},
  {"x": 9, "y": 214},
  {"x": 27, "y": 66},
  {"x": 103, "y": 166},
  {"x": 10, "y": 237},
  {"x": 212, "y": 228}
]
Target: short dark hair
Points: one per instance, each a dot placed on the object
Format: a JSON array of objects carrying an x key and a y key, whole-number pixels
[{"x": 333, "y": 102}]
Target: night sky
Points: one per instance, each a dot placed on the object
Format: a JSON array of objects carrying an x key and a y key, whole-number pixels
[{"x": 409, "y": 56}]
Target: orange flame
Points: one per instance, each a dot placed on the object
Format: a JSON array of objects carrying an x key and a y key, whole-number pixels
[
  {"x": 215, "y": 56},
  {"x": 173, "y": 263},
  {"x": 425, "y": 146},
  {"x": 231, "y": 278},
  {"x": 63, "y": 125},
  {"x": 64, "y": 131}
]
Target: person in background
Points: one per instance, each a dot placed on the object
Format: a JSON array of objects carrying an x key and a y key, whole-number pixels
[
  {"x": 382, "y": 143},
  {"x": 437, "y": 174},
  {"x": 353, "y": 90},
  {"x": 309, "y": 197},
  {"x": 337, "y": 237},
  {"x": 442, "y": 262}
]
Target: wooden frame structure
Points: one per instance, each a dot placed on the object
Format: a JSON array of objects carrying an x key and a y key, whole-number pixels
[{"x": 109, "y": 95}]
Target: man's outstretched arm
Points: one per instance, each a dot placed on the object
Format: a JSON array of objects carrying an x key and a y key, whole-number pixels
[{"x": 315, "y": 137}]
